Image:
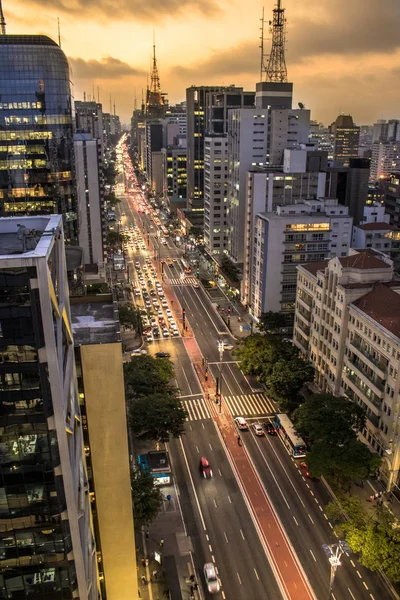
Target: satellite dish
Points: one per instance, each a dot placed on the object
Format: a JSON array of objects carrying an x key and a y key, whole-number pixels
[{"x": 301, "y": 105}]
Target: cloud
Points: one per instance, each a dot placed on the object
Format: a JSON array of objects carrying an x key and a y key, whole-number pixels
[
  {"x": 343, "y": 27},
  {"x": 147, "y": 10},
  {"x": 106, "y": 68},
  {"x": 236, "y": 60}
]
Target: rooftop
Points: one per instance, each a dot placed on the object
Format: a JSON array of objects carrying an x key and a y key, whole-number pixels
[
  {"x": 314, "y": 267},
  {"x": 27, "y": 40},
  {"x": 94, "y": 322},
  {"x": 364, "y": 260},
  {"x": 27, "y": 236},
  {"x": 383, "y": 305},
  {"x": 379, "y": 226}
]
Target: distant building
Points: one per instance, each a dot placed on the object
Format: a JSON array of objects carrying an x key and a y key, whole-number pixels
[
  {"x": 89, "y": 119},
  {"x": 47, "y": 538},
  {"x": 98, "y": 353},
  {"x": 385, "y": 159},
  {"x": 175, "y": 174},
  {"x": 350, "y": 185},
  {"x": 392, "y": 197},
  {"x": 153, "y": 143},
  {"x": 215, "y": 194},
  {"x": 311, "y": 230},
  {"x": 90, "y": 194},
  {"x": 346, "y": 139},
  {"x": 347, "y": 323}
]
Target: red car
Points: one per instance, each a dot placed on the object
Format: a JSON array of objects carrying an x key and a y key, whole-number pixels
[
  {"x": 304, "y": 469},
  {"x": 270, "y": 429},
  {"x": 205, "y": 468}
]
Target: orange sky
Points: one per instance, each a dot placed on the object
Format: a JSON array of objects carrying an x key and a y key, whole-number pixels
[{"x": 342, "y": 56}]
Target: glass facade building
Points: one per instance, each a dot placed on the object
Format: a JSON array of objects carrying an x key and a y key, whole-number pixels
[
  {"x": 36, "y": 130},
  {"x": 47, "y": 548}
]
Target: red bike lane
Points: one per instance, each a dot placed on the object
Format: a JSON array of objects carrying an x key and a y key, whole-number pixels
[{"x": 288, "y": 571}]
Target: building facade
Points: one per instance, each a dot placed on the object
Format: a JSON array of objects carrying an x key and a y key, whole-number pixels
[
  {"x": 47, "y": 542},
  {"x": 215, "y": 194},
  {"x": 90, "y": 195},
  {"x": 347, "y": 324},
  {"x": 346, "y": 139},
  {"x": 350, "y": 185},
  {"x": 89, "y": 119},
  {"x": 299, "y": 233},
  {"x": 36, "y": 130},
  {"x": 385, "y": 159}
]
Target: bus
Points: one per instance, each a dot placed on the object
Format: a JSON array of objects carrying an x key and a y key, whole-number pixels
[
  {"x": 295, "y": 445},
  {"x": 186, "y": 267}
]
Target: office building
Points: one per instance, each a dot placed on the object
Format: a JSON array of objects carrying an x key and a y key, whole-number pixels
[
  {"x": 347, "y": 323},
  {"x": 310, "y": 230},
  {"x": 322, "y": 138},
  {"x": 89, "y": 119},
  {"x": 379, "y": 236},
  {"x": 350, "y": 185},
  {"x": 383, "y": 131},
  {"x": 98, "y": 353},
  {"x": 153, "y": 143},
  {"x": 385, "y": 159},
  {"x": 90, "y": 195},
  {"x": 175, "y": 182},
  {"x": 36, "y": 130},
  {"x": 203, "y": 116},
  {"x": 346, "y": 139},
  {"x": 391, "y": 189},
  {"x": 47, "y": 543},
  {"x": 215, "y": 194}
]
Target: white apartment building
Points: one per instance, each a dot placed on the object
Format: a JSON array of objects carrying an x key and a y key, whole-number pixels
[
  {"x": 90, "y": 197},
  {"x": 385, "y": 159},
  {"x": 256, "y": 137},
  {"x": 265, "y": 191},
  {"x": 347, "y": 323},
  {"x": 215, "y": 193},
  {"x": 310, "y": 230}
]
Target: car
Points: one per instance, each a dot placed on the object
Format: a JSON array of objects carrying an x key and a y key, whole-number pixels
[
  {"x": 304, "y": 469},
  {"x": 137, "y": 264},
  {"x": 171, "y": 264},
  {"x": 160, "y": 313},
  {"x": 149, "y": 338},
  {"x": 228, "y": 346},
  {"x": 138, "y": 352},
  {"x": 164, "y": 303},
  {"x": 174, "y": 331},
  {"x": 205, "y": 468},
  {"x": 210, "y": 575},
  {"x": 137, "y": 292},
  {"x": 155, "y": 301},
  {"x": 156, "y": 332},
  {"x": 165, "y": 333},
  {"x": 270, "y": 429},
  {"x": 162, "y": 355},
  {"x": 241, "y": 423},
  {"x": 258, "y": 430},
  {"x": 153, "y": 293},
  {"x": 196, "y": 286}
]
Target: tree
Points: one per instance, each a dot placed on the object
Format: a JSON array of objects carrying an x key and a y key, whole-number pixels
[
  {"x": 196, "y": 233},
  {"x": 258, "y": 354},
  {"x": 286, "y": 379},
  {"x": 156, "y": 417},
  {"x": 112, "y": 200},
  {"x": 114, "y": 239},
  {"x": 145, "y": 375},
  {"x": 146, "y": 497},
  {"x": 272, "y": 322},
  {"x": 129, "y": 316},
  {"x": 329, "y": 419},
  {"x": 375, "y": 536},
  {"x": 342, "y": 464},
  {"x": 230, "y": 269}
]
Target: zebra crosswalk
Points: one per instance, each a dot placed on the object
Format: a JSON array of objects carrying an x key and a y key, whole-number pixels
[
  {"x": 186, "y": 281},
  {"x": 247, "y": 405},
  {"x": 196, "y": 408}
]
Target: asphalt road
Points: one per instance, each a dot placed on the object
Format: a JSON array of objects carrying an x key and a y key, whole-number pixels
[{"x": 215, "y": 511}]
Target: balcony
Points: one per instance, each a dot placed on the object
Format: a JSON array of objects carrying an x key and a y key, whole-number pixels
[
  {"x": 366, "y": 371},
  {"x": 378, "y": 363},
  {"x": 303, "y": 328},
  {"x": 369, "y": 394}
]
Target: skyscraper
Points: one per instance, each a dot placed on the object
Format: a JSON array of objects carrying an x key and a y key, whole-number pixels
[
  {"x": 47, "y": 545},
  {"x": 36, "y": 130},
  {"x": 347, "y": 137}
]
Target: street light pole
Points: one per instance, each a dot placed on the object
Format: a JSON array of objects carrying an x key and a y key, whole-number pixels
[{"x": 334, "y": 553}]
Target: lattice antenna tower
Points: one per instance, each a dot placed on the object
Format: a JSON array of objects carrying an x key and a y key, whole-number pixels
[
  {"x": 2, "y": 21},
  {"x": 263, "y": 68},
  {"x": 276, "y": 69}
]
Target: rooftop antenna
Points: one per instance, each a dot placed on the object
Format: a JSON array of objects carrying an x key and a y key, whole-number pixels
[
  {"x": 134, "y": 100},
  {"x": 84, "y": 96},
  {"x": 262, "y": 62},
  {"x": 276, "y": 69},
  {"x": 110, "y": 106},
  {"x": 59, "y": 31},
  {"x": 94, "y": 95},
  {"x": 114, "y": 108},
  {"x": 2, "y": 21},
  {"x": 98, "y": 94}
]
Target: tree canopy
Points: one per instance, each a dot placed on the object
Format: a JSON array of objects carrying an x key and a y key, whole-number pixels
[
  {"x": 286, "y": 379},
  {"x": 156, "y": 417},
  {"x": 146, "y": 497},
  {"x": 272, "y": 322},
  {"x": 114, "y": 239},
  {"x": 329, "y": 419},
  {"x": 230, "y": 269},
  {"x": 375, "y": 535},
  {"x": 145, "y": 375},
  {"x": 129, "y": 316}
]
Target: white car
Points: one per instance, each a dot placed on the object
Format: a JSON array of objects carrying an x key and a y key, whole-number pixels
[
  {"x": 169, "y": 313},
  {"x": 210, "y": 575},
  {"x": 165, "y": 333},
  {"x": 228, "y": 346},
  {"x": 164, "y": 303}
]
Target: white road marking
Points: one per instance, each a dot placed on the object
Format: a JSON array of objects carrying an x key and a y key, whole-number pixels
[{"x": 312, "y": 554}]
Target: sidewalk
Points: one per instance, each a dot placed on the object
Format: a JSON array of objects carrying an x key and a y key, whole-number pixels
[{"x": 164, "y": 551}]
